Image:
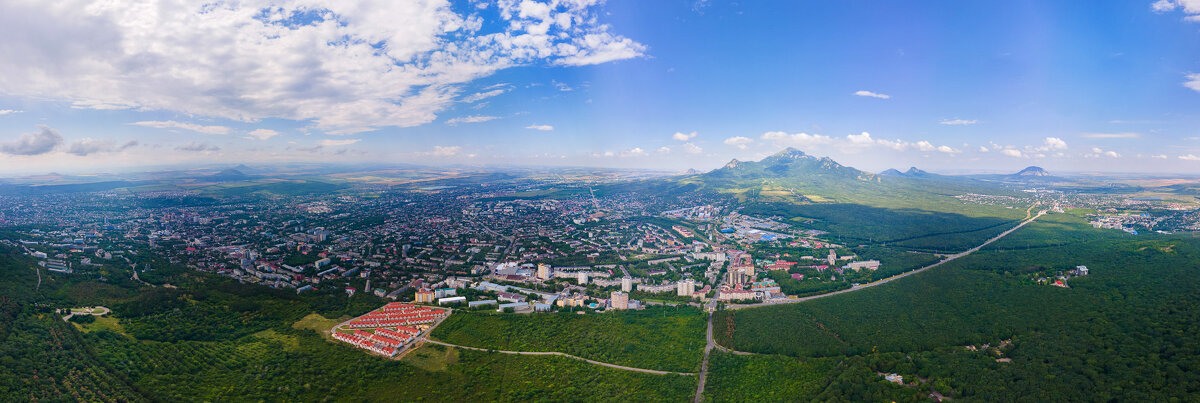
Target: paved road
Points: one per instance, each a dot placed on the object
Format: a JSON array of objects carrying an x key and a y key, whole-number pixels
[
  {"x": 605, "y": 364},
  {"x": 898, "y": 276}
]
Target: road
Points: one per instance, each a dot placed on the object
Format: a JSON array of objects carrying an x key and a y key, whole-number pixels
[
  {"x": 604, "y": 364},
  {"x": 708, "y": 346},
  {"x": 949, "y": 258},
  {"x": 96, "y": 311}
]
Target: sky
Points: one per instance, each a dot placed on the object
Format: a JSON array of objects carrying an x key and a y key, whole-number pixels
[{"x": 104, "y": 86}]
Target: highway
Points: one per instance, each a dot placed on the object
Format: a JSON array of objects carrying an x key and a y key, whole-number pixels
[{"x": 949, "y": 258}]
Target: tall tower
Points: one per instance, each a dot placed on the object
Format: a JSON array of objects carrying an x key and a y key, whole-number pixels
[
  {"x": 544, "y": 271},
  {"x": 832, "y": 257}
]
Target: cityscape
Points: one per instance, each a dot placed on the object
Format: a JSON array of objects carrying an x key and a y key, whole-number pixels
[{"x": 591, "y": 200}]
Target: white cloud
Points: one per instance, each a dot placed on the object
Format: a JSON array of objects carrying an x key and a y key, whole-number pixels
[
  {"x": 263, "y": 134},
  {"x": 87, "y": 146},
  {"x": 1011, "y": 152},
  {"x": 958, "y": 122},
  {"x": 1125, "y": 135},
  {"x": 1054, "y": 143},
  {"x": 479, "y": 96},
  {"x": 783, "y": 139},
  {"x": 983, "y": 149},
  {"x": 739, "y": 141},
  {"x": 42, "y": 141},
  {"x": 171, "y": 124},
  {"x": 470, "y": 119},
  {"x": 1189, "y": 157},
  {"x": 1193, "y": 81},
  {"x": 335, "y": 143},
  {"x": 347, "y": 66},
  {"x": 198, "y": 147},
  {"x": 445, "y": 151},
  {"x": 1098, "y": 152},
  {"x": 691, "y": 148},
  {"x": 1159, "y": 156},
  {"x": 863, "y": 93},
  {"x": 680, "y": 136},
  {"x": 8, "y": 111},
  {"x": 1191, "y": 8},
  {"x": 540, "y": 127},
  {"x": 664, "y": 150},
  {"x": 634, "y": 152}
]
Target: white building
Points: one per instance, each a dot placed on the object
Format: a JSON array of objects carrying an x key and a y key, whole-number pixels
[
  {"x": 686, "y": 288},
  {"x": 619, "y": 300},
  {"x": 544, "y": 271},
  {"x": 583, "y": 278},
  {"x": 626, "y": 284}
]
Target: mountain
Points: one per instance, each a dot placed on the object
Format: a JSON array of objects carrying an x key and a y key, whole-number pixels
[
  {"x": 789, "y": 163},
  {"x": 228, "y": 175},
  {"x": 912, "y": 172},
  {"x": 1032, "y": 171}
]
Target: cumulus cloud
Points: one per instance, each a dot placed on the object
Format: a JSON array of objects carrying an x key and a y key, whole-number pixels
[
  {"x": 335, "y": 143},
  {"x": 1191, "y": 8},
  {"x": 983, "y": 149},
  {"x": 470, "y": 119},
  {"x": 263, "y": 134},
  {"x": 634, "y": 152},
  {"x": 1193, "y": 80},
  {"x": 958, "y": 122},
  {"x": 664, "y": 150},
  {"x": 8, "y": 111},
  {"x": 171, "y": 124},
  {"x": 1159, "y": 156},
  {"x": 1125, "y": 135},
  {"x": 864, "y": 139},
  {"x": 87, "y": 146},
  {"x": 863, "y": 93},
  {"x": 691, "y": 148},
  {"x": 1054, "y": 143},
  {"x": 1189, "y": 157},
  {"x": 1099, "y": 152},
  {"x": 540, "y": 127},
  {"x": 347, "y": 66},
  {"x": 42, "y": 141},
  {"x": 681, "y": 136},
  {"x": 785, "y": 139},
  {"x": 1011, "y": 152},
  {"x": 739, "y": 141},
  {"x": 198, "y": 147},
  {"x": 445, "y": 151}
]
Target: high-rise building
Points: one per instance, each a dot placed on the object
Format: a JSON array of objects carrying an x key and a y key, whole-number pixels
[
  {"x": 425, "y": 296},
  {"x": 619, "y": 300},
  {"x": 626, "y": 284},
  {"x": 544, "y": 271},
  {"x": 685, "y": 288},
  {"x": 583, "y": 278},
  {"x": 832, "y": 258}
]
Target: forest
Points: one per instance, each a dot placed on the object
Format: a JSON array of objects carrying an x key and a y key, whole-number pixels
[{"x": 979, "y": 328}]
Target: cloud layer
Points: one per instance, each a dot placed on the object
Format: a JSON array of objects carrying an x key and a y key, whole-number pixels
[{"x": 346, "y": 66}]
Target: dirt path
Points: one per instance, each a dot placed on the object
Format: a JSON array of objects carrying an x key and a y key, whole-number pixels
[
  {"x": 604, "y": 364},
  {"x": 709, "y": 344}
]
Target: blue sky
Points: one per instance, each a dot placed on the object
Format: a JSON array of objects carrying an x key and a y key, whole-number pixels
[{"x": 1071, "y": 86}]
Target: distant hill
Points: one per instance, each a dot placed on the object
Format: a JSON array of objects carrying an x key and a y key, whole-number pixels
[
  {"x": 912, "y": 172},
  {"x": 228, "y": 175},
  {"x": 792, "y": 176},
  {"x": 1032, "y": 171}
]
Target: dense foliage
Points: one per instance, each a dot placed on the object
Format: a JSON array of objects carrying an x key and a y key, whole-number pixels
[{"x": 1127, "y": 331}]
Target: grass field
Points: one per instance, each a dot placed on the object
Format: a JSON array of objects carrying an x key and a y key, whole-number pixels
[{"x": 319, "y": 324}]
